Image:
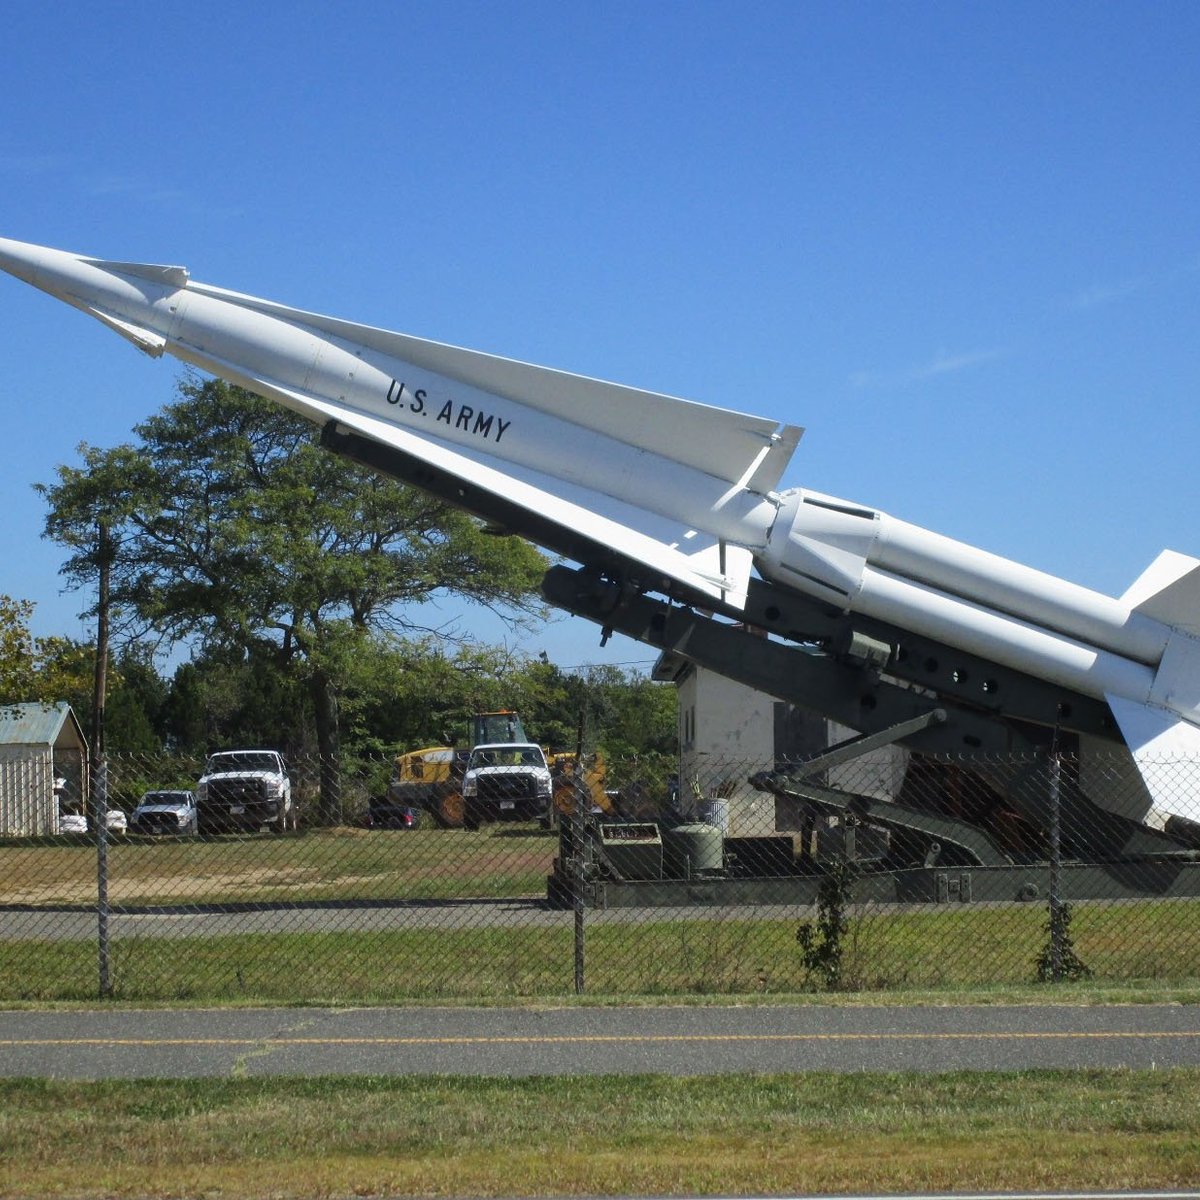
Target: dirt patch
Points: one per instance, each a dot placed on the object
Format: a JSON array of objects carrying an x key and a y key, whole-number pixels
[{"x": 232, "y": 885}]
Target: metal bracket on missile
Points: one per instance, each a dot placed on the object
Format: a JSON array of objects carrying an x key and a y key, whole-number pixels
[
  {"x": 951, "y": 674},
  {"x": 861, "y": 666}
]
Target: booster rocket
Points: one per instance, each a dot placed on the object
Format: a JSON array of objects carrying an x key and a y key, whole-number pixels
[{"x": 677, "y": 498}]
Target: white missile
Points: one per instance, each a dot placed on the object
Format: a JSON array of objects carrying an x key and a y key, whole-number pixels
[
  {"x": 683, "y": 495},
  {"x": 636, "y": 471}
]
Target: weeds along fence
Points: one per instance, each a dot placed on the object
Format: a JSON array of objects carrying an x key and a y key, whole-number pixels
[{"x": 722, "y": 876}]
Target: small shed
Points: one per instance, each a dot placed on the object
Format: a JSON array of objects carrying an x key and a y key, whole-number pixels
[{"x": 43, "y": 768}]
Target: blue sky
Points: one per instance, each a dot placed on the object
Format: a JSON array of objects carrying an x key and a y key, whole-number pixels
[{"x": 960, "y": 244}]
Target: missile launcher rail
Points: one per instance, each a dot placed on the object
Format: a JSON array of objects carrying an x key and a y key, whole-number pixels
[{"x": 930, "y": 857}]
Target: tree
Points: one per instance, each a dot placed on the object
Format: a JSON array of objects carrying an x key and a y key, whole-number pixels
[
  {"x": 17, "y": 661},
  {"x": 135, "y": 714},
  {"x": 65, "y": 669},
  {"x": 233, "y": 529},
  {"x": 49, "y": 669}
]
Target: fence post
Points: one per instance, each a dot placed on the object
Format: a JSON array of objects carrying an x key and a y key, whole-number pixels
[
  {"x": 100, "y": 809},
  {"x": 579, "y": 873},
  {"x": 1056, "y": 947}
]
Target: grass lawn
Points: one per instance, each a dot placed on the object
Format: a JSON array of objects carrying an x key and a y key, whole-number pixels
[
  {"x": 687, "y": 958},
  {"x": 763, "y": 1134},
  {"x": 930, "y": 953},
  {"x": 484, "y": 952},
  {"x": 316, "y": 865},
  {"x": 740, "y": 1135}
]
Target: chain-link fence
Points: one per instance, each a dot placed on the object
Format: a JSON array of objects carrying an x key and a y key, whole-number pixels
[{"x": 155, "y": 879}]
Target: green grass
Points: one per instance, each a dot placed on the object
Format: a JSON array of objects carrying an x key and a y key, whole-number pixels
[
  {"x": 747, "y": 1135},
  {"x": 938, "y": 951},
  {"x": 714, "y": 952}
]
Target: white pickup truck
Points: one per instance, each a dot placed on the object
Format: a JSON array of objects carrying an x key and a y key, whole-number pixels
[
  {"x": 506, "y": 781},
  {"x": 245, "y": 790}
]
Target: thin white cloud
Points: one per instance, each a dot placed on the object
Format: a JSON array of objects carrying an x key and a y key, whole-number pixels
[
  {"x": 946, "y": 364},
  {"x": 1105, "y": 293},
  {"x": 942, "y": 363}
]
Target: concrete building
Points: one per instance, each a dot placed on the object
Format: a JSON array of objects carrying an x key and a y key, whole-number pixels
[
  {"x": 728, "y": 731},
  {"x": 43, "y": 768}
]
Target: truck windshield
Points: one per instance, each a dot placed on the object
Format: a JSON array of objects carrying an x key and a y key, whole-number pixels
[
  {"x": 499, "y": 727},
  {"x": 243, "y": 760},
  {"x": 503, "y": 756}
]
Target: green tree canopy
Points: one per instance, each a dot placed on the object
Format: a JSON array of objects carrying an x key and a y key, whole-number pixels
[
  {"x": 17, "y": 661},
  {"x": 48, "y": 669}
]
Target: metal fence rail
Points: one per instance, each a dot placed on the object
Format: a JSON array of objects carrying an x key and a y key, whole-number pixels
[{"x": 739, "y": 877}]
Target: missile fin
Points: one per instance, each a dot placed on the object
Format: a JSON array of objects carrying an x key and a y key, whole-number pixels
[
  {"x": 1166, "y": 752},
  {"x": 769, "y": 469},
  {"x": 146, "y": 340},
  {"x": 1169, "y": 591},
  {"x": 728, "y": 568},
  {"x": 731, "y": 446},
  {"x": 152, "y": 272}
]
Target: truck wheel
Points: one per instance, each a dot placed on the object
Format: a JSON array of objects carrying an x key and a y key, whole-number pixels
[{"x": 448, "y": 809}]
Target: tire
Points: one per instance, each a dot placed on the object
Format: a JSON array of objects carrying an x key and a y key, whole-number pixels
[{"x": 447, "y": 807}]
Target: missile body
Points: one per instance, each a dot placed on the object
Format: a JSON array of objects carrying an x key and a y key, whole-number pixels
[
  {"x": 674, "y": 496},
  {"x": 868, "y": 562}
]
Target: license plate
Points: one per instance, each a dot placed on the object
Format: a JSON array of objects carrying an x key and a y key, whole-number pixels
[
  {"x": 237, "y": 810},
  {"x": 508, "y": 804}
]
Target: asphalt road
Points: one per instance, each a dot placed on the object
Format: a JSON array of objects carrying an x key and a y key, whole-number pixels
[{"x": 188, "y": 1043}]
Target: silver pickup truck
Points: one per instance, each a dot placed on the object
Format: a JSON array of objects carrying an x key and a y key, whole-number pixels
[{"x": 165, "y": 812}]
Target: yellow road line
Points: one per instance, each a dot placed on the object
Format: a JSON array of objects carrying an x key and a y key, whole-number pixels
[{"x": 591, "y": 1039}]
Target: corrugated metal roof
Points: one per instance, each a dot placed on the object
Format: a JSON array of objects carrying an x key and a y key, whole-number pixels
[{"x": 32, "y": 724}]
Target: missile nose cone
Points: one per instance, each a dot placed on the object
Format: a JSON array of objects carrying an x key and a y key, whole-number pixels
[{"x": 20, "y": 259}]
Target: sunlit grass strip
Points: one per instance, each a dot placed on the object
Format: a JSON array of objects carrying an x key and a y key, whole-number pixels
[
  {"x": 941, "y": 949},
  {"x": 748, "y": 1135},
  {"x": 319, "y": 865}
]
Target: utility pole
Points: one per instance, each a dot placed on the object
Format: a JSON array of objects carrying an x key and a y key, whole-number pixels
[
  {"x": 99, "y": 763},
  {"x": 100, "y": 678}
]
